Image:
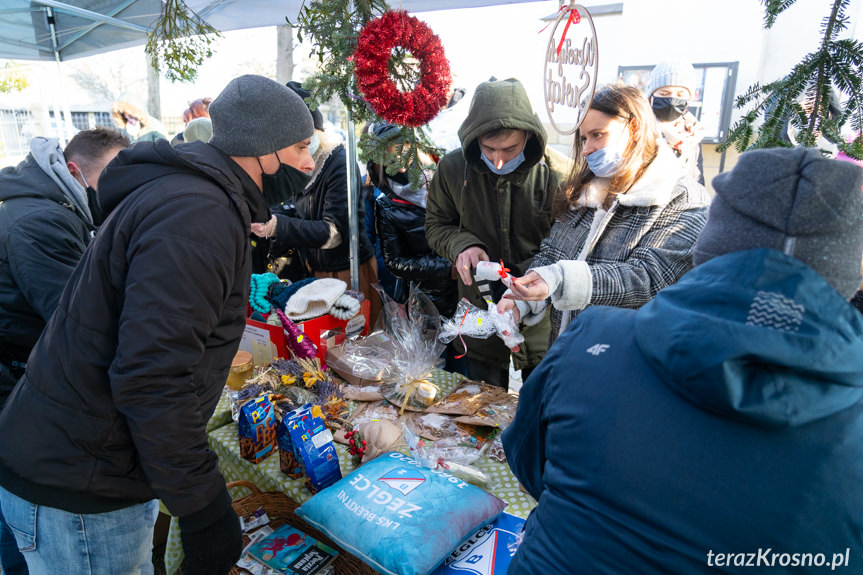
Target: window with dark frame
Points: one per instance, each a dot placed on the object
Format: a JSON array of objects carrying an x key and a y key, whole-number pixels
[{"x": 713, "y": 99}]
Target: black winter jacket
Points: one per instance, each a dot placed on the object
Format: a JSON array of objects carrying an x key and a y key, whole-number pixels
[
  {"x": 113, "y": 407},
  {"x": 322, "y": 203},
  {"x": 42, "y": 237},
  {"x": 401, "y": 230},
  {"x": 43, "y": 234}
]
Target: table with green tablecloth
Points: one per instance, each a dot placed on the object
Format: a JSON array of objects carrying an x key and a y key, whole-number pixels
[
  {"x": 267, "y": 476},
  {"x": 222, "y": 415}
]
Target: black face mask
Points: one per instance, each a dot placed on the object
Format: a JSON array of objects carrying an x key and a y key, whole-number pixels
[
  {"x": 669, "y": 109},
  {"x": 93, "y": 204},
  {"x": 401, "y": 178},
  {"x": 284, "y": 184}
]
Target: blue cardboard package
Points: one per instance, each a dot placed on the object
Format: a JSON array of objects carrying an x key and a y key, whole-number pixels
[{"x": 305, "y": 434}]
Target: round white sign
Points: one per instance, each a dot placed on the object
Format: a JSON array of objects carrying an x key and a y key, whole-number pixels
[{"x": 571, "y": 67}]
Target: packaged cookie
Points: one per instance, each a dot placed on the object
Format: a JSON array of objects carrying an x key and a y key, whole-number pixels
[
  {"x": 467, "y": 398},
  {"x": 499, "y": 413}
]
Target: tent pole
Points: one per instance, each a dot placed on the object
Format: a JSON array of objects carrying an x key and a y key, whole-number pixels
[
  {"x": 353, "y": 203},
  {"x": 353, "y": 195},
  {"x": 64, "y": 128}
]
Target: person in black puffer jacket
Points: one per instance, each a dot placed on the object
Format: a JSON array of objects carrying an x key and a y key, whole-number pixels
[
  {"x": 400, "y": 222},
  {"x": 49, "y": 212},
  {"x": 111, "y": 412},
  {"x": 318, "y": 231}
]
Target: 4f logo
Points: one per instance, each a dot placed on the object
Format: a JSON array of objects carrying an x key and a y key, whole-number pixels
[{"x": 597, "y": 348}]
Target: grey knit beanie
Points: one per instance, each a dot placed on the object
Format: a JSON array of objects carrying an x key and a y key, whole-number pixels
[
  {"x": 791, "y": 200},
  {"x": 674, "y": 72},
  {"x": 256, "y": 116},
  {"x": 317, "y": 117}
]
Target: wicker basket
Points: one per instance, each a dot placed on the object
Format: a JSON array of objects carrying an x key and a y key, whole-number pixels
[{"x": 281, "y": 509}]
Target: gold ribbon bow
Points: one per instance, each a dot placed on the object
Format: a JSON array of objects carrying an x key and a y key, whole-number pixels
[{"x": 412, "y": 387}]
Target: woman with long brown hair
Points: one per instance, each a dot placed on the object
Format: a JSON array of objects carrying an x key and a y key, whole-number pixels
[{"x": 625, "y": 224}]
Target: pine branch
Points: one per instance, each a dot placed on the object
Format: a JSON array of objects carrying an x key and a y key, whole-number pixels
[
  {"x": 773, "y": 8},
  {"x": 796, "y": 108},
  {"x": 180, "y": 42}
]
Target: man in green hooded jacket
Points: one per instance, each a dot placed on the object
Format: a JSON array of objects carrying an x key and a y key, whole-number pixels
[{"x": 491, "y": 200}]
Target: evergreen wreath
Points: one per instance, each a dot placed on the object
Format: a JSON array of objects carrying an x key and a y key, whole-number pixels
[{"x": 380, "y": 84}]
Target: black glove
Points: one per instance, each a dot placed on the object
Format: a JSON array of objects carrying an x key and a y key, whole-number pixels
[{"x": 212, "y": 538}]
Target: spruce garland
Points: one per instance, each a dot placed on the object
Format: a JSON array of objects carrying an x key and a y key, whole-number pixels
[{"x": 802, "y": 97}]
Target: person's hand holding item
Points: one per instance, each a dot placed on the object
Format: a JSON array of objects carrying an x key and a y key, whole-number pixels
[
  {"x": 529, "y": 287},
  {"x": 507, "y": 303},
  {"x": 212, "y": 538},
  {"x": 467, "y": 260},
  {"x": 266, "y": 230}
]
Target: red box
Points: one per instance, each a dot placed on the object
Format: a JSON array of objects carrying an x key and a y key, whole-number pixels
[
  {"x": 326, "y": 328},
  {"x": 321, "y": 330}
]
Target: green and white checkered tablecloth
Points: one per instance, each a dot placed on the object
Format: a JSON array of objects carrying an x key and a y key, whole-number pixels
[
  {"x": 267, "y": 476},
  {"x": 222, "y": 415}
]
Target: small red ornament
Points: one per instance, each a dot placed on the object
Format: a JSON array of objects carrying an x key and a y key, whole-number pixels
[
  {"x": 371, "y": 67},
  {"x": 353, "y": 437}
]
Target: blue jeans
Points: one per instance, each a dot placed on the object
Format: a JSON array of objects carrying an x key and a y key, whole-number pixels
[{"x": 53, "y": 541}]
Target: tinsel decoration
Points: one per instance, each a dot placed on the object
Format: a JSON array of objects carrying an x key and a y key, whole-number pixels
[{"x": 391, "y": 92}]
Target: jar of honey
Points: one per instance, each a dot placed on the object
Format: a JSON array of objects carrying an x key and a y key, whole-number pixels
[{"x": 242, "y": 369}]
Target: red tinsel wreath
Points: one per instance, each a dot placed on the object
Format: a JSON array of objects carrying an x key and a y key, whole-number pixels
[{"x": 371, "y": 64}]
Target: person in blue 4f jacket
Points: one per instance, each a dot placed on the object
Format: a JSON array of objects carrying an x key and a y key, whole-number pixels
[{"x": 720, "y": 425}]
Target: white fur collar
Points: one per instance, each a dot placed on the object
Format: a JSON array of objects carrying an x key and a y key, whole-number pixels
[
  {"x": 654, "y": 188},
  {"x": 329, "y": 142}
]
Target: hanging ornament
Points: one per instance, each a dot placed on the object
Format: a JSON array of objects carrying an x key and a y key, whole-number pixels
[{"x": 379, "y": 43}]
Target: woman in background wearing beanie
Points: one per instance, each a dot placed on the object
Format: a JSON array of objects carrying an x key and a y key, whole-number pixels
[
  {"x": 670, "y": 88},
  {"x": 625, "y": 226},
  {"x": 319, "y": 228}
]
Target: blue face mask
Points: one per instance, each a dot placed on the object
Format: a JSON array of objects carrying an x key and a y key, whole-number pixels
[
  {"x": 508, "y": 167},
  {"x": 605, "y": 162}
]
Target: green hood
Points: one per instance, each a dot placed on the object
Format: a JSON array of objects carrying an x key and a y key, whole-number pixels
[{"x": 501, "y": 104}]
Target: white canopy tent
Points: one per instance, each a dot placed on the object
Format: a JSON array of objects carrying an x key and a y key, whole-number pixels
[{"x": 63, "y": 30}]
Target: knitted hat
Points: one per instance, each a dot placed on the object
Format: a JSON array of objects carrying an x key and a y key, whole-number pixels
[
  {"x": 256, "y": 116},
  {"x": 345, "y": 307},
  {"x": 198, "y": 129},
  {"x": 317, "y": 117},
  {"x": 791, "y": 200},
  {"x": 672, "y": 73},
  {"x": 314, "y": 299}
]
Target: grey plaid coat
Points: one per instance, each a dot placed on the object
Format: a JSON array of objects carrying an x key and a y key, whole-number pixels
[{"x": 623, "y": 256}]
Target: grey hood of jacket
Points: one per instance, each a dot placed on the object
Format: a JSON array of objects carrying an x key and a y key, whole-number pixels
[{"x": 49, "y": 157}]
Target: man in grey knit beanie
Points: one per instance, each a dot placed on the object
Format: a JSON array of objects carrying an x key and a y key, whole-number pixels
[
  {"x": 256, "y": 116},
  {"x": 147, "y": 326}
]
